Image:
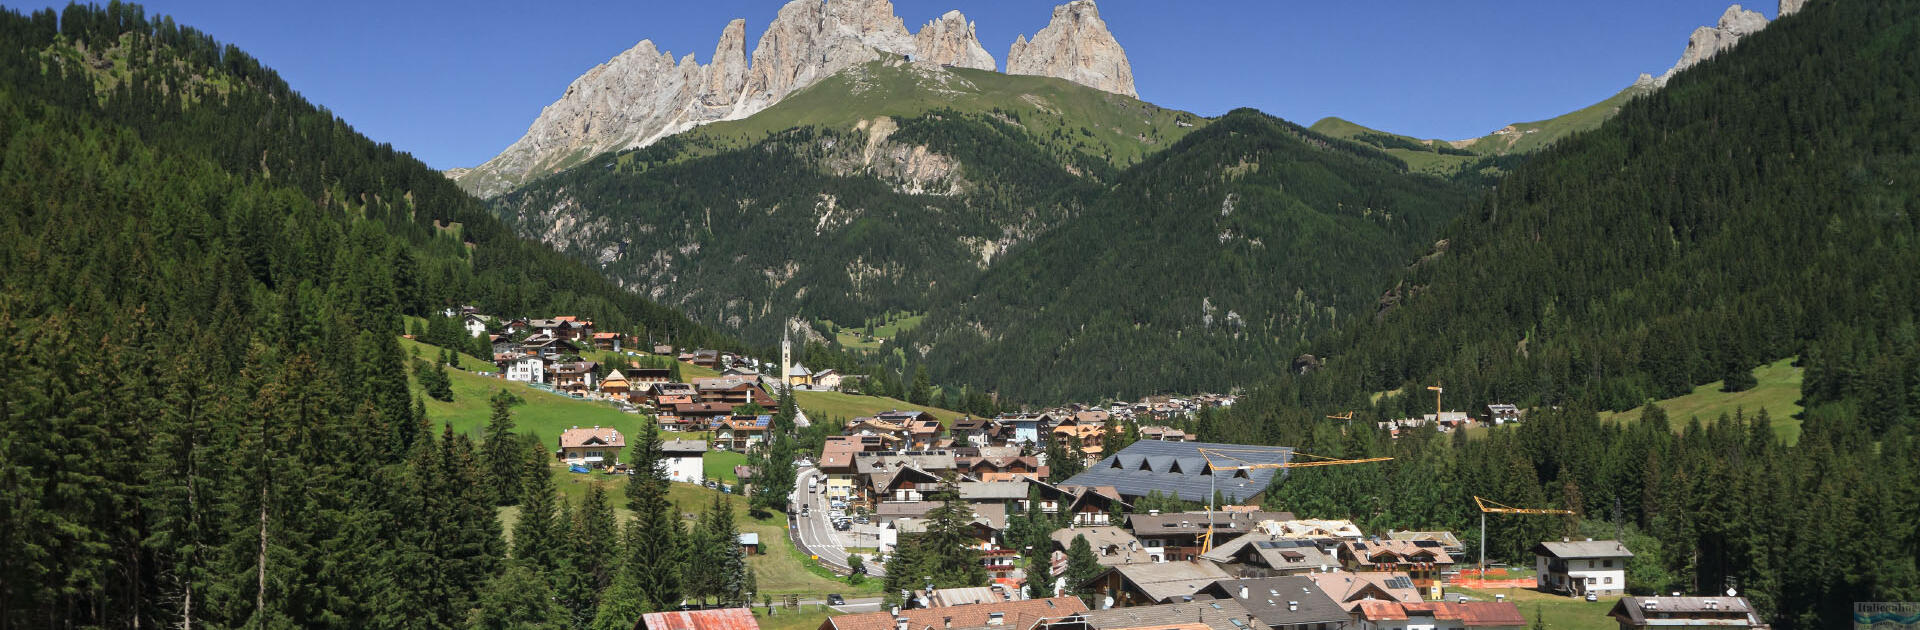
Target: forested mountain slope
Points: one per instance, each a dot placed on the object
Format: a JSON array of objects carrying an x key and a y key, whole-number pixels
[
  {"x": 1203, "y": 267},
  {"x": 1761, "y": 206},
  {"x": 207, "y": 420},
  {"x": 884, "y": 187}
]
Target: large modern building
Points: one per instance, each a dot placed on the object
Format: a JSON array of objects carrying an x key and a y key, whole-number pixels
[{"x": 1182, "y": 468}]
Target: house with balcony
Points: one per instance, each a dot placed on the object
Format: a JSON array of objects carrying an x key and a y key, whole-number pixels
[
  {"x": 1578, "y": 567},
  {"x": 597, "y": 447}
]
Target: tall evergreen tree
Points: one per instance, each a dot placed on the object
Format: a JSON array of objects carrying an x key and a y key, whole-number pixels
[{"x": 504, "y": 453}]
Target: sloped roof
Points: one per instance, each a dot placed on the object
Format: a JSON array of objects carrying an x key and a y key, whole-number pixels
[
  {"x": 1469, "y": 614},
  {"x": 1351, "y": 588},
  {"x": 715, "y": 619},
  {"x": 582, "y": 436},
  {"x": 1635, "y": 609},
  {"x": 1218, "y": 614},
  {"x": 1162, "y": 581},
  {"x": 1281, "y": 601},
  {"x": 1583, "y": 549},
  {"x": 683, "y": 446},
  {"x": 1017, "y": 615},
  {"x": 1179, "y": 467}
]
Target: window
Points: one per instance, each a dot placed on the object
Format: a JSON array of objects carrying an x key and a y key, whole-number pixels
[
  {"x": 1589, "y": 581},
  {"x": 1609, "y": 579},
  {"x": 1607, "y": 563}
]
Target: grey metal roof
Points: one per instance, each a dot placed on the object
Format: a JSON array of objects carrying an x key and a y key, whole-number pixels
[
  {"x": 1583, "y": 549},
  {"x": 1270, "y": 600},
  {"x": 1219, "y": 614},
  {"x": 1179, "y": 467}
]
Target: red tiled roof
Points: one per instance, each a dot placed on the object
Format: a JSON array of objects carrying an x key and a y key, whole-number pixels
[
  {"x": 1470, "y": 614},
  {"x": 578, "y": 436},
  {"x": 1018, "y": 615},
  {"x": 1381, "y": 610},
  {"x": 716, "y": 619}
]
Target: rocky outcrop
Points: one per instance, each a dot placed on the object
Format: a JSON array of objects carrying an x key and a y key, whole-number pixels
[
  {"x": 950, "y": 40},
  {"x": 1736, "y": 23},
  {"x": 1075, "y": 46},
  {"x": 1790, "y": 7},
  {"x": 643, "y": 94}
]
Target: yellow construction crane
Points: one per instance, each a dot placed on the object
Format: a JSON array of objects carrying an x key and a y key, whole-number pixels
[
  {"x": 1344, "y": 418},
  {"x": 1489, "y": 507},
  {"x": 1437, "y": 391},
  {"x": 1240, "y": 463}
]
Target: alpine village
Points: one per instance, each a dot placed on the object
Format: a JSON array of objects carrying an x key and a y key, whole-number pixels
[{"x": 861, "y": 328}]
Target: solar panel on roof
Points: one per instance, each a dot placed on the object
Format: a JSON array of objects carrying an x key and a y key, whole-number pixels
[{"x": 1399, "y": 582}]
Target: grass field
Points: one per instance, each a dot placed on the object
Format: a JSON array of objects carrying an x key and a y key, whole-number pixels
[
  {"x": 779, "y": 570},
  {"x": 822, "y": 405},
  {"x": 544, "y": 413},
  {"x": 1558, "y": 613},
  {"x": 854, "y": 338},
  {"x": 802, "y": 618},
  {"x": 1778, "y": 392}
]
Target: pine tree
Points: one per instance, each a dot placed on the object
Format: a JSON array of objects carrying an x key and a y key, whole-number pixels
[
  {"x": 517, "y": 599},
  {"x": 504, "y": 453},
  {"x": 536, "y": 535},
  {"x": 1082, "y": 567},
  {"x": 922, "y": 390}
]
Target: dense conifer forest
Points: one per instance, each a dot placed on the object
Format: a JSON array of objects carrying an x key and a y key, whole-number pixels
[
  {"x": 1760, "y": 207},
  {"x": 207, "y": 417}
]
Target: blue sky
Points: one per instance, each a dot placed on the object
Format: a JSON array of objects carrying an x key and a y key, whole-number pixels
[{"x": 454, "y": 83}]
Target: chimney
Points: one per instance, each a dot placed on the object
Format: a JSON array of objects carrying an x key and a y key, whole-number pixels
[
  {"x": 1499, "y": 598},
  {"x": 1243, "y": 591},
  {"x": 1293, "y": 606},
  {"x": 900, "y": 623},
  {"x": 946, "y": 622}
]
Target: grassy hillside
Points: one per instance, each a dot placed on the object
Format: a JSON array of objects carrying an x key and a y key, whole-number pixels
[
  {"x": 1448, "y": 157},
  {"x": 1118, "y": 129},
  {"x": 1778, "y": 393},
  {"x": 822, "y": 405},
  {"x": 780, "y": 570},
  {"x": 543, "y": 413},
  {"x": 1528, "y": 137}
]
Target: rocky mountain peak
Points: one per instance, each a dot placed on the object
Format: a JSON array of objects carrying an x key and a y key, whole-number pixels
[
  {"x": 643, "y": 94},
  {"x": 1075, "y": 46},
  {"x": 950, "y": 40},
  {"x": 1790, "y": 7},
  {"x": 1736, "y": 23}
]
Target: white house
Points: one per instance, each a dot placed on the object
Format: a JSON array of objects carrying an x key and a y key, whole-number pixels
[
  {"x": 477, "y": 324},
  {"x": 1581, "y": 567},
  {"x": 528, "y": 369},
  {"x": 686, "y": 459}
]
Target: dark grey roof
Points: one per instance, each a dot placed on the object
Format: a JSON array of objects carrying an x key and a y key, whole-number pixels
[
  {"x": 1219, "y": 614},
  {"x": 1270, "y": 598},
  {"x": 1725, "y": 609},
  {"x": 1179, "y": 467}
]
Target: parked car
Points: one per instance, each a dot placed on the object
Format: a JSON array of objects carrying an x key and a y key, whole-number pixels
[
  {"x": 805, "y": 509},
  {"x": 837, "y": 504},
  {"x": 861, "y": 519},
  {"x": 834, "y": 599}
]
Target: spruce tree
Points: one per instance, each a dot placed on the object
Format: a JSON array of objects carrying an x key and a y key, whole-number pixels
[
  {"x": 536, "y": 537},
  {"x": 504, "y": 453},
  {"x": 519, "y": 598},
  {"x": 1082, "y": 567}
]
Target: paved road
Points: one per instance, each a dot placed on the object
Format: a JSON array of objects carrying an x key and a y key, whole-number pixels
[{"x": 814, "y": 532}]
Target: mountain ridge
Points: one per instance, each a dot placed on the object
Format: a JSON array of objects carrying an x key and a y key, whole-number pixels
[{"x": 643, "y": 94}]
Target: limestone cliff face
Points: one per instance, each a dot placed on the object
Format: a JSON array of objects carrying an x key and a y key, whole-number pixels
[
  {"x": 643, "y": 94},
  {"x": 1736, "y": 23},
  {"x": 1790, "y": 7},
  {"x": 1075, "y": 46},
  {"x": 950, "y": 40}
]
